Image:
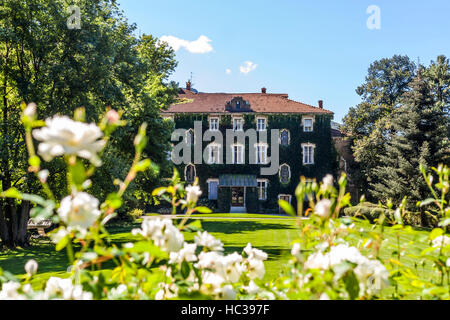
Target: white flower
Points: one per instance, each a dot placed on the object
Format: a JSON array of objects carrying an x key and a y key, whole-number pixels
[
  {"x": 212, "y": 279},
  {"x": 324, "y": 296},
  {"x": 296, "y": 251},
  {"x": 252, "y": 288},
  {"x": 328, "y": 181},
  {"x": 43, "y": 175},
  {"x": 322, "y": 208},
  {"x": 372, "y": 275},
  {"x": 63, "y": 136},
  {"x": 187, "y": 253},
  {"x": 441, "y": 241},
  {"x": 79, "y": 211},
  {"x": 226, "y": 293},
  {"x": 230, "y": 267},
  {"x": 448, "y": 263},
  {"x": 9, "y": 291},
  {"x": 30, "y": 110},
  {"x": 317, "y": 260},
  {"x": 335, "y": 256},
  {"x": 112, "y": 116},
  {"x": 58, "y": 236},
  {"x": 206, "y": 240},
  {"x": 255, "y": 268},
  {"x": 163, "y": 233},
  {"x": 255, "y": 253},
  {"x": 192, "y": 194},
  {"x": 118, "y": 292},
  {"x": 208, "y": 260},
  {"x": 31, "y": 267},
  {"x": 63, "y": 288}
]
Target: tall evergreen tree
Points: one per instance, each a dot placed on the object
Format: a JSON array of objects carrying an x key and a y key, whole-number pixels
[{"x": 419, "y": 136}]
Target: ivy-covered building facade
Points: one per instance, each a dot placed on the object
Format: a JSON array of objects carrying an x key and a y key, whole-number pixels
[{"x": 305, "y": 147}]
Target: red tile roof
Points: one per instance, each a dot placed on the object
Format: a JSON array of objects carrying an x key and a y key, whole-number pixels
[{"x": 191, "y": 102}]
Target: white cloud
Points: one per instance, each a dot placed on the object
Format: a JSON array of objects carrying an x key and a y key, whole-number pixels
[
  {"x": 247, "y": 67},
  {"x": 228, "y": 71},
  {"x": 201, "y": 45}
]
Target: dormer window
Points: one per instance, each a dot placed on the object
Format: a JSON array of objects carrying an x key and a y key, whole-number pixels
[{"x": 238, "y": 104}]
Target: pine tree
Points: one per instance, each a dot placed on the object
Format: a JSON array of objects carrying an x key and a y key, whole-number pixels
[{"x": 419, "y": 135}]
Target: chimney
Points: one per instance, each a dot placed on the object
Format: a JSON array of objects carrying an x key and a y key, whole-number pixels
[
  {"x": 263, "y": 90},
  {"x": 188, "y": 85},
  {"x": 321, "y": 104}
]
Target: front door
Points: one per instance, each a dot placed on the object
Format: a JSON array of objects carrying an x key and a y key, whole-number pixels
[{"x": 237, "y": 197}]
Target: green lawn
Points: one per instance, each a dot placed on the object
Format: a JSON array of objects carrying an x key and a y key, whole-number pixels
[{"x": 271, "y": 234}]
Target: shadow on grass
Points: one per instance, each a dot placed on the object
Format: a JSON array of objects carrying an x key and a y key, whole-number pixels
[
  {"x": 44, "y": 253},
  {"x": 238, "y": 226}
]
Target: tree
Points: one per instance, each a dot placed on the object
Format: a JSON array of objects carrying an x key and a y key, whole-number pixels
[
  {"x": 60, "y": 69},
  {"x": 366, "y": 124},
  {"x": 419, "y": 137}
]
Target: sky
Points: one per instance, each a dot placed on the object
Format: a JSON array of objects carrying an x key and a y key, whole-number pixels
[{"x": 311, "y": 50}]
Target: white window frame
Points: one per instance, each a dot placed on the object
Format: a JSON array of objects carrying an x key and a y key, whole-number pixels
[
  {"x": 279, "y": 172},
  {"x": 210, "y": 158},
  {"x": 209, "y": 188},
  {"x": 304, "y": 153},
  {"x": 235, "y": 159},
  {"x": 216, "y": 125},
  {"x": 312, "y": 123},
  {"x": 241, "y": 128},
  {"x": 257, "y": 123},
  {"x": 185, "y": 171},
  {"x": 285, "y": 195},
  {"x": 289, "y": 136},
  {"x": 263, "y": 146},
  {"x": 265, "y": 182}
]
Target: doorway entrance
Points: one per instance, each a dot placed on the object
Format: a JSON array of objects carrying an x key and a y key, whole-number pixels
[{"x": 238, "y": 197}]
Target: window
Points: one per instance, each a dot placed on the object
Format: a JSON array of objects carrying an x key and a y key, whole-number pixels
[
  {"x": 261, "y": 124},
  {"x": 308, "y": 124},
  {"x": 213, "y": 185},
  {"x": 189, "y": 173},
  {"x": 285, "y": 137},
  {"x": 238, "y": 154},
  {"x": 262, "y": 189},
  {"x": 285, "y": 197},
  {"x": 238, "y": 104},
  {"x": 261, "y": 154},
  {"x": 308, "y": 153},
  {"x": 285, "y": 173},
  {"x": 214, "y": 124},
  {"x": 238, "y": 124},
  {"x": 214, "y": 154}
]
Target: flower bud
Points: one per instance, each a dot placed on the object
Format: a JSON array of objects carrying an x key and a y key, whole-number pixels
[{"x": 31, "y": 267}]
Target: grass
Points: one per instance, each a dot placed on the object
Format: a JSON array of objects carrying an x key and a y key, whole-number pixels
[{"x": 272, "y": 235}]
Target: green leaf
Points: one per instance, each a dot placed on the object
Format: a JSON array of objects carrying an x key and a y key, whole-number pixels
[
  {"x": 436, "y": 233},
  {"x": 194, "y": 226},
  {"x": 114, "y": 201},
  {"x": 78, "y": 173},
  {"x": 159, "y": 191},
  {"x": 62, "y": 244},
  {"x": 34, "y": 161},
  {"x": 203, "y": 209},
  {"x": 351, "y": 285},
  {"x": 286, "y": 206},
  {"x": 427, "y": 202},
  {"x": 142, "y": 165},
  {"x": 12, "y": 193},
  {"x": 185, "y": 269}
]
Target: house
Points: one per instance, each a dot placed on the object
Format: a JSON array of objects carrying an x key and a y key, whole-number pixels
[{"x": 303, "y": 141}]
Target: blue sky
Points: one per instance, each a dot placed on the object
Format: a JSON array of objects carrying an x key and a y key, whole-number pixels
[{"x": 311, "y": 50}]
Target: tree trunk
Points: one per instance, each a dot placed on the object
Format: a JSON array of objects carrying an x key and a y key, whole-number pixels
[{"x": 13, "y": 224}]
